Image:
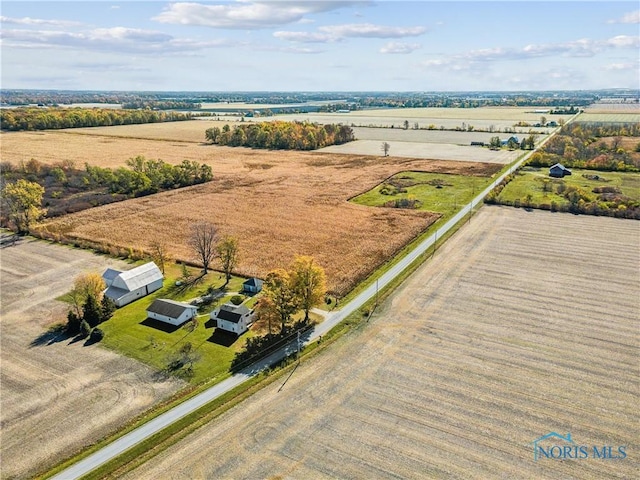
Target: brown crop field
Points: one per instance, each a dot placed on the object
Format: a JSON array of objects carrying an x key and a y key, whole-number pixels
[
  {"x": 524, "y": 323},
  {"x": 58, "y": 395},
  {"x": 278, "y": 204}
]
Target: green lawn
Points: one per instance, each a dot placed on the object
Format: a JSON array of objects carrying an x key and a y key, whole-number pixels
[
  {"x": 531, "y": 181},
  {"x": 454, "y": 192},
  {"x": 126, "y": 334}
]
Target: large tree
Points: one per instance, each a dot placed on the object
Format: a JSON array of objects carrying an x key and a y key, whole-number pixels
[
  {"x": 227, "y": 250},
  {"x": 86, "y": 284},
  {"x": 308, "y": 282},
  {"x": 203, "y": 243},
  {"x": 278, "y": 289},
  {"x": 23, "y": 203}
]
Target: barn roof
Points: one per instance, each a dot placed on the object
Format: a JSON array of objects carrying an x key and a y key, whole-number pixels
[
  {"x": 141, "y": 276},
  {"x": 232, "y": 313},
  {"x": 110, "y": 273},
  {"x": 168, "y": 308}
]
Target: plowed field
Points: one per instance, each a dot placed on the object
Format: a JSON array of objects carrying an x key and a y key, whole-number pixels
[
  {"x": 58, "y": 395},
  {"x": 522, "y": 324}
]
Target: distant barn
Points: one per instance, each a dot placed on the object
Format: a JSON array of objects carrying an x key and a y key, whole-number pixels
[{"x": 558, "y": 171}]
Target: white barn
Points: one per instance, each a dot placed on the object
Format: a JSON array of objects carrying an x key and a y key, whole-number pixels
[
  {"x": 170, "y": 311},
  {"x": 233, "y": 318},
  {"x": 125, "y": 287}
]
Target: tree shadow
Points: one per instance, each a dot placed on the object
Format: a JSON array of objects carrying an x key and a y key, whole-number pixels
[
  {"x": 158, "y": 325},
  {"x": 50, "y": 337},
  {"x": 220, "y": 337},
  {"x": 211, "y": 323}
]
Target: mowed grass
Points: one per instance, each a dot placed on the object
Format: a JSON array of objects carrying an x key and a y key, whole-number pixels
[
  {"x": 531, "y": 182},
  {"x": 454, "y": 191},
  {"x": 126, "y": 333}
]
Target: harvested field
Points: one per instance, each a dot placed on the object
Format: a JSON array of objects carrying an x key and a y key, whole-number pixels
[
  {"x": 58, "y": 395},
  {"x": 495, "y": 342},
  {"x": 278, "y": 204},
  {"x": 480, "y": 118},
  {"x": 430, "y": 136},
  {"x": 620, "y": 116},
  {"x": 426, "y": 150}
]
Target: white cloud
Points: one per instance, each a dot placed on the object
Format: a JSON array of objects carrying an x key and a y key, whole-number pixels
[
  {"x": 336, "y": 33},
  {"x": 38, "y": 22},
  {"x": 247, "y": 14},
  {"x": 115, "y": 39},
  {"x": 305, "y": 37},
  {"x": 398, "y": 47},
  {"x": 576, "y": 48},
  {"x": 622, "y": 67},
  {"x": 631, "y": 17}
]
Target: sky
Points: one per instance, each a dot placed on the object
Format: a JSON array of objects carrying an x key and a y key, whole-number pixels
[{"x": 297, "y": 45}]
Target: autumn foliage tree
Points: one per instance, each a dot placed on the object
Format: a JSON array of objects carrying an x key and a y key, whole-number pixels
[
  {"x": 227, "y": 250},
  {"x": 278, "y": 288},
  {"x": 22, "y": 201},
  {"x": 308, "y": 282}
]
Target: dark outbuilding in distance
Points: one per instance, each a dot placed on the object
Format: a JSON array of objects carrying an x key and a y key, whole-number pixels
[{"x": 558, "y": 171}]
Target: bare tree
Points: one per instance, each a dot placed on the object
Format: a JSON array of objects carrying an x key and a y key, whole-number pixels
[
  {"x": 385, "y": 148},
  {"x": 227, "y": 251},
  {"x": 203, "y": 243},
  {"x": 160, "y": 253}
]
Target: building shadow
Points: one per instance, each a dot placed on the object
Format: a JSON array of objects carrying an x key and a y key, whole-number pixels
[
  {"x": 220, "y": 337},
  {"x": 158, "y": 325}
]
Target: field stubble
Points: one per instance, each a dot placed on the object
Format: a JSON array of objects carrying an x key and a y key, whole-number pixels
[
  {"x": 58, "y": 395},
  {"x": 522, "y": 324}
]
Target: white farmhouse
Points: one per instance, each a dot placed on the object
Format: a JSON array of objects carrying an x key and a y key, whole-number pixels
[
  {"x": 170, "y": 311},
  {"x": 125, "y": 287},
  {"x": 233, "y": 318}
]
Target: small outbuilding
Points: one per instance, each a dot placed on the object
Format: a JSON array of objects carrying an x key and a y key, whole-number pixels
[
  {"x": 252, "y": 285},
  {"x": 233, "y": 318},
  {"x": 170, "y": 311},
  {"x": 558, "y": 171},
  {"x": 125, "y": 287}
]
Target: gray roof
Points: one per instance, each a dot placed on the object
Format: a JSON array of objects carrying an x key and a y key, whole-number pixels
[
  {"x": 168, "y": 308},
  {"x": 109, "y": 274},
  {"x": 114, "y": 293},
  {"x": 139, "y": 276},
  {"x": 253, "y": 282},
  {"x": 232, "y": 313}
]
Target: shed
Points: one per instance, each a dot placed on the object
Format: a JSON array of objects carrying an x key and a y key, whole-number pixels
[
  {"x": 252, "y": 285},
  {"x": 170, "y": 311},
  {"x": 125, "y": 287},
  {"x": 233, "y": 318},
  {"x": 558, "y": 171}
]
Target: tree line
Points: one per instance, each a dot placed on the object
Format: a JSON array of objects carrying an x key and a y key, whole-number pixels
[
  {"x": 581, "y": 145},
  {"x": 18, "y": 119},
  {"x": 65, "y": 189},
  {"x": 279, "y": 135}
]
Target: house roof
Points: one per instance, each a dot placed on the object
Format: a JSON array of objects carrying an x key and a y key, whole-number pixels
[
  {"x": 232, "y": 313},
  {"x": 140, "y": 276},
  {"x": 558, "y": 165},
  {"x": 253, "y": 282},
  {"x": 169, "y": 308}
]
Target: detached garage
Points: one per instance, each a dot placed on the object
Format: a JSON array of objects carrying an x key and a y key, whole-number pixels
[{"x": 170, "y": 311}]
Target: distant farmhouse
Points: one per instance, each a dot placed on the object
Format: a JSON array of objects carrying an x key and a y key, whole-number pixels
[
  {"x": 170, "y": 311},
  {"x": 233, "y": 318},
  {"x": 558, "y": 171},
  {"x": 125, "y": 287}
]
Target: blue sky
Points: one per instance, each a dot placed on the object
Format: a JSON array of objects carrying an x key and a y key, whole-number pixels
[{"x": 313, "y": 45}]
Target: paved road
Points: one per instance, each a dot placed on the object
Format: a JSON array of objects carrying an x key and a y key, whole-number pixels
[{"x": 127, "y": 441}]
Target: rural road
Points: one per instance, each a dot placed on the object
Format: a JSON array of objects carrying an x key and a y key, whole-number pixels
[{"x": 129, "y": 440}]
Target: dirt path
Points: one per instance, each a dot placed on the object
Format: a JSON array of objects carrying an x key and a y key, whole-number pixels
[
  {"x": 522, "y": 324},
  {"x": 56, "y": 395}
]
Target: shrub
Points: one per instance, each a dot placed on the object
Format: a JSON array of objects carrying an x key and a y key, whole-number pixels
[
  {"x": 96, "y": 335},
  {"x": 237, "y": 299},
  {"x": 85, "y": 329}
]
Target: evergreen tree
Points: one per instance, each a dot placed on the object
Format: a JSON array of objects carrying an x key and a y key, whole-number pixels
[{"x": 92, "y": 311}]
